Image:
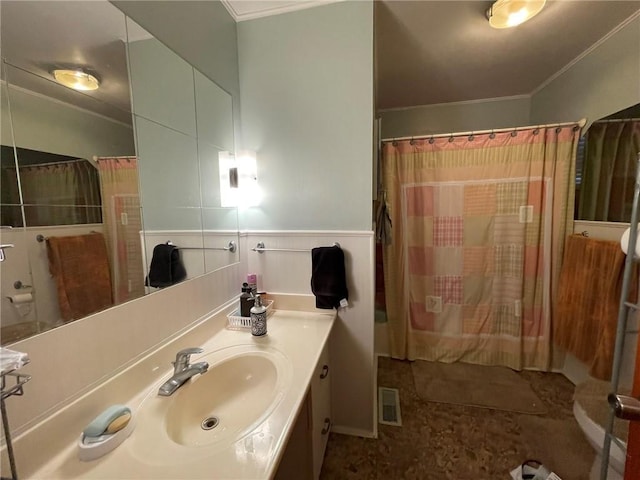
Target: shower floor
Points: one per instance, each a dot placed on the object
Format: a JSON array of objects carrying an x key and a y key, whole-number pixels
[{"x": 441, "y": 441}]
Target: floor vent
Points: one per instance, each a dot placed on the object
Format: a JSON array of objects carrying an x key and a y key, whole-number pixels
[{"x": 389, "y": 406}]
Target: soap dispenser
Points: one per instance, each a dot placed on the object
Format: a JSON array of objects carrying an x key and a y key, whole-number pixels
[
  {"x": 246, "y": 300},
  {"x": 258, "y": 318}
]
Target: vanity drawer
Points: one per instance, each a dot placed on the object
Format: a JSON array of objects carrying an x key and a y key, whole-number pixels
[{"x": 320, "y": 409}]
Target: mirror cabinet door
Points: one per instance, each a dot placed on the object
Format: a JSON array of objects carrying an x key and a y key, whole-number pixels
[
  {"x": 17, "y": 309},
  {"x": 214, "y": 114},
  {"x": 61, "y": 134},
  {"x": 68, "y": 197},
  {"x": 72, "y": 166},
  {"x": 165, "y": 120}
]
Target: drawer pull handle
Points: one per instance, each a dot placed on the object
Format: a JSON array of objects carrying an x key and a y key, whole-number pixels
[
  {"x": 327, "y": 426},
  {"x": 325, "y": 372}
]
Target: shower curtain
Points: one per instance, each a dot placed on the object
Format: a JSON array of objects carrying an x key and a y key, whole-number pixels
[
  {"x": 479, "y": 225},
  {"x": 63, "y": 193},
  {"x": 122, "y": 223}
]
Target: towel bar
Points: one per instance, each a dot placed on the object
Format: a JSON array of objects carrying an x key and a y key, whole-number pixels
[
  {"x": 261, "y": 248},
  {"x": 41, "y": 238},
  {"x": 2, "y": 247},
  {"x": 231, "y": 247}
]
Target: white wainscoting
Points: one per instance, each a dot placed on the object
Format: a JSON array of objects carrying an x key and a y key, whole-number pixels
[
  {"x": 192, "y": 256},
  {"x": 352, "y": 342},
  {"x": 214, "y": 242},
  {"x": 201, "y": 251}
]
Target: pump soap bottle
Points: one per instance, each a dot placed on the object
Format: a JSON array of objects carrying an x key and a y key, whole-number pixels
[
  {"x": 246, "y": 301},
  {"x": 258, "y": 318}
]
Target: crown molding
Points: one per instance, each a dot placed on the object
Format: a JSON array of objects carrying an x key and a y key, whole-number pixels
[
  {"x": 267, "y": 9},
  {"x": 63, "y": 103},
  {"x": 593, "y": 47},
  {"x": 525, "y": 96}
]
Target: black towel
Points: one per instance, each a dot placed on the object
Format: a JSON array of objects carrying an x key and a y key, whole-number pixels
[
  {"x": 328, "y": 278},
  {"x": 166, "y": 267}
]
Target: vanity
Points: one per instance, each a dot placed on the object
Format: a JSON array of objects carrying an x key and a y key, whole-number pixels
[{"x": 264, "y": 403}]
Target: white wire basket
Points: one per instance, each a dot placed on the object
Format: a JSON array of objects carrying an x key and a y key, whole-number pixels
[{"x": 236, "y": 322}]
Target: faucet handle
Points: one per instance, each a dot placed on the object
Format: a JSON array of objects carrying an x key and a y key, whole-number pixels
[
  {"x": 182, "y": 357},
  {"x": 189, "y": 351}
]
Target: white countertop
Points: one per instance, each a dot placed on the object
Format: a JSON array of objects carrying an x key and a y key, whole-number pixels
[{"x": 298, "y": 336}]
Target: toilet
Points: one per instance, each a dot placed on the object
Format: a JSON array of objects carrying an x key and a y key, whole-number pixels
[{"x": 590, "y": 409}]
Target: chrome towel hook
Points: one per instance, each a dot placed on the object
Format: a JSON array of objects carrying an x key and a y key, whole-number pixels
[{"x": 2, "y": 247}]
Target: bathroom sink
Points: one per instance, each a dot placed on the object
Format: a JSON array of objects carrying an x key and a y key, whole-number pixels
[
  {"x": 242, "y": 387},
  {"x": 224, "y": 401}
]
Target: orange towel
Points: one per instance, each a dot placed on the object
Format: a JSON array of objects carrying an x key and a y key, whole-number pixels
[
  {"x": 80, "y": 267},
  {"x": 588, "y": 301}
]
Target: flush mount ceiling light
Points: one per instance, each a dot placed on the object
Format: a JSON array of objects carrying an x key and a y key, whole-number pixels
[
  {"x": 510, "y": 13},
  {"x": 76, "y": 79}
]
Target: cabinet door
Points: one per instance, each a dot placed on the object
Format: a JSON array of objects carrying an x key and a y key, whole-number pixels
[
  {"x": 296, "y": 460},
  {"x": 321, "y": 409}
]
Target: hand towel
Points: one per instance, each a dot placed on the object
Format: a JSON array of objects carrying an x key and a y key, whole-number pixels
[
  {"x": 166, "y": 267},
  {"x": 80, "y": 267},
  {"x": 383, "y": 221},
  {"x": 588, "y": 300},
  {"x": 328, "y": 277}
]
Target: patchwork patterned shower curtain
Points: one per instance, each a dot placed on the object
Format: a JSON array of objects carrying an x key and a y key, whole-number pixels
[
  {"x": 479, "y": 225},
  {"x": 122, "y": 223}
]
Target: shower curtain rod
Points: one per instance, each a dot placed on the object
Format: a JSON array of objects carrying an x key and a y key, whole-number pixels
[
  {"x": 118, "y": 157},
  {"x": 44, "y": 164},
  {"x": 613, "y": 120},
  {"x": 581, "y": 123}
]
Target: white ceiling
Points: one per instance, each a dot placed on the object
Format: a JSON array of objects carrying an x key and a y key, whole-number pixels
[
  {"x": 427, "y": 52},
  {"x": 38, "y": 37},
  {"x": 430, "y": 52}
]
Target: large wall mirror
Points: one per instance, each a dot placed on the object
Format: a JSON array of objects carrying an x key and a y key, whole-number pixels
[
  {"x": 606, "y": 167},
  {"x": 94, "y": 179}
]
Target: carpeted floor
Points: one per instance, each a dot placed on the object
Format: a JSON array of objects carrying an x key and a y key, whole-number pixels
[
  {"x": 499, "y": 388},
  {"x": 440, "y": 441}
]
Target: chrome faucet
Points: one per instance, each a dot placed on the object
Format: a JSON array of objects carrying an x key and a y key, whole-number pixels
[{"x": 183, "y": 371}]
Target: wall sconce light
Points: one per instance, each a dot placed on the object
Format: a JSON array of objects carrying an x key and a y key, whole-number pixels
[
  {"x": 510, "y": 13},
  {"x": 238, "y": 179}
]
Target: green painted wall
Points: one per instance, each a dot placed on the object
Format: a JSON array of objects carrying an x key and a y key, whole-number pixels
[
  {"x": 306, "y": 82},
  {"x": 601, "y": 83}
]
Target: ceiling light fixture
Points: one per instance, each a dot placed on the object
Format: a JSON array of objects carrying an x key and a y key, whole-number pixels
[
  {"x": 510, "y": 13},
  {"x": 76, "y": 79}
]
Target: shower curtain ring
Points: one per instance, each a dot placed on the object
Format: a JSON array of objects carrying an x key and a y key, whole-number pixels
[
  {"x": 471, "y": 137},
  {"x": 431, "y": 140},
  {"x": 451, "y": 138},
  {"x": 493, "y": 135}
]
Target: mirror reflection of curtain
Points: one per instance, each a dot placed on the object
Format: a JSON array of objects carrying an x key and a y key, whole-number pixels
[
  {"x": 65, "y": 193},
  {"x": 122, "y": 223},
  {"x": 608, "y": 176},
  {"x": 10, "y": 211}
]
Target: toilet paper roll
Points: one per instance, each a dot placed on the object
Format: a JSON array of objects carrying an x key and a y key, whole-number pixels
[
  {"x": 21, "y": 298},
  {"x": 624, "y": 242}
]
